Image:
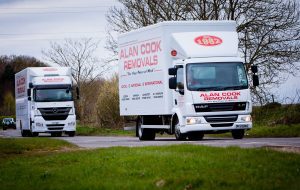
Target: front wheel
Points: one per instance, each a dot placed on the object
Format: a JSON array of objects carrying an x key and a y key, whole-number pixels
[
  {"x": 35, "y": 134},
  {"x": 195, "y": 136},
  {"x": 56, "y": 134},
  {"x": 178, "y": 135},
  {"x": 71, "y": 133},
  {"x": 144, "y": 134},
  {"x": 238, "y": 134}
]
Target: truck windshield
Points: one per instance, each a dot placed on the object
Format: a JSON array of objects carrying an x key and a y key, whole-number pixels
[
  {"x": 216, "y": 76},
  {"x": 52, "y": 95}
]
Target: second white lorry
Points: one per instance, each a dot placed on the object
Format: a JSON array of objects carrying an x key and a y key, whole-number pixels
[
  {"x": 185, "y": 78},
  {"x": 44, "y": 101}
]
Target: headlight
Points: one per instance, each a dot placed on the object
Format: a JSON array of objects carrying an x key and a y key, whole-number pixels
[
  {"x": 39, "y": 124},
  {"x": 71, "y": 124},
  {"x": 247, "y": 118},
  {"x": 192, "y": 120}
]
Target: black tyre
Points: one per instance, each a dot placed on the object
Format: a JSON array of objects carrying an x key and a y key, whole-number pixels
[
  {"x": 195, "y": 136},
  {"x": 35, "y": 134},
  {"x": 238, "y": 134},
  {"x": 4, "y": 127},
  {"x": 71, "y": 133},
  {"x": 144, "y": 134},
  {"x": 56, "y": 134},
  {"x": 178, "y": 135},
  {"x": 25, "y": 133}
]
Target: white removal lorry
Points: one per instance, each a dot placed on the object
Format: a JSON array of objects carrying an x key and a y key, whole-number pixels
[
  {"x": 44, "y": 101},
  {"x": 184, "y": 78}
]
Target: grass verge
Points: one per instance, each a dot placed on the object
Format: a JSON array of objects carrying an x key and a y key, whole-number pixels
[
  {"x": 169, "y": 167},
  {"x": 9, "y": 146}
]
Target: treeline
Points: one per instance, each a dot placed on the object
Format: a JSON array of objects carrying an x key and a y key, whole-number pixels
[
  {"x": 99, "y": 100},
  {"x": 9, "y": 65}
]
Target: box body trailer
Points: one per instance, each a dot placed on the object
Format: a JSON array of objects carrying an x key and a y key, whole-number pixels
[
  {"x": 184, "y": 78},
  {"x": 44, "y": 101}
]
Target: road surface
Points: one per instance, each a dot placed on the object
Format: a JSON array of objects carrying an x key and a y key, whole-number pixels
[{"x": 99, "y": 141}]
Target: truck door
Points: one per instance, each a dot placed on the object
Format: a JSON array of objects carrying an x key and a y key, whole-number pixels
[{"x": 179, "y": 94}]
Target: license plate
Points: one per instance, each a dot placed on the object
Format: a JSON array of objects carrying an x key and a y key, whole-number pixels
[{"x": 242, "y": 126}]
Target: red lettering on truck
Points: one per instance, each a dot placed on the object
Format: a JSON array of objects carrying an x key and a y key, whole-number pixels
[
  {"x": 207, "y": 40},
  {"x": 230, "y": 95}
]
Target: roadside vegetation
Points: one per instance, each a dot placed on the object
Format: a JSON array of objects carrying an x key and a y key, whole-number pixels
[
  {"x": 168, "y": 167},
  {"x": 89, "y": 130}
]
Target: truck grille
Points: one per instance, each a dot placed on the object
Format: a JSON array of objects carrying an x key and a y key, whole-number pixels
[
  {"x": 60, "y": 113},
  {"x": 214, "y": 107},
  {"x": 221, "y": 120}
]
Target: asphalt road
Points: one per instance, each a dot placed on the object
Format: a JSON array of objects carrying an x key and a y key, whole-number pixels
[{"x": 99, "y": 141}]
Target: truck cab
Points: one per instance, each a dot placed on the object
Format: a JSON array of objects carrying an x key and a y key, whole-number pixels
[
  {"x": 47, "y": 106},
  {"x": 210, "y": 96}
]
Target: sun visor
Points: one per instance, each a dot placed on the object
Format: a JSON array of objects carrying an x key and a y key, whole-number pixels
[{"x": 205, "y": 44}]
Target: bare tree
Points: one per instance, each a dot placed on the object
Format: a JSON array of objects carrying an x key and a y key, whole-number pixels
[
  {"x": 80, "y": 56},
  {"x": 269, "y": 30},
  {"x": 86, "y": 67}
]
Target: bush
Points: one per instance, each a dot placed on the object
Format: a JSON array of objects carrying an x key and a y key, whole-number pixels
[
  {"x": 107, "y": 107},
  {"x": 277, "y": 114}
]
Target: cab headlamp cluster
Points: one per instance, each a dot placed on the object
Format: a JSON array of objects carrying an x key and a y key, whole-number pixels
[{"x": 193, "y": 120}]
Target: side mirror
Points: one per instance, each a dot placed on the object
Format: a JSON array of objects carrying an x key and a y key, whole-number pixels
[
  {"x": 77, "y": 93},
  {"x": 254, "y": 69},
  {"x": 30, "y": 85},
  {"x": 255, "y": 80},
  {"x": 28, "y": 92},
  {"x": 172, "y": 83},
  {"x": 172, "y": 71}
]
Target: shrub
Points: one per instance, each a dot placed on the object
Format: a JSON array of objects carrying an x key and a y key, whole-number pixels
[{"x": 107, "y": 107}]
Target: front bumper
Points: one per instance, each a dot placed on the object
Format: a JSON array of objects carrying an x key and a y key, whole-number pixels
[
  {"x": 42, "y": 126},
  {"x": 216, "y": 126}
]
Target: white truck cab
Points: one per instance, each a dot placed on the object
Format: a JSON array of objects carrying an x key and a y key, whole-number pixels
[
  {"x": 44, "y": 101},
  {"x": 185, "y": 78}
]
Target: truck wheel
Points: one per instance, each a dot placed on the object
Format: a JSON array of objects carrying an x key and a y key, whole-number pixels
[
  {"x": 178, "y": 135},
  {"x": 238, "y": 134},
  {"x": 195, "y": 136},
  {"x": 56, "y": 134},
  {"x": 25, "y": 133},
  {"x": 144, "y": 134},
  {"x": 4, "y": 127},
  {"x": 71, "y": 133},
  {"x": 35, "y": 134}
]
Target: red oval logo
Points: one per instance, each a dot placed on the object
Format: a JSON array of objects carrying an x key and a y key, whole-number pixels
[{"x": 208, "y": 40}]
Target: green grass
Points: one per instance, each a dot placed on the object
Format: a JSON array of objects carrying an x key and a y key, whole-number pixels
[
  {"x": 85, "y": 130},
  {"x": 9, "y": 146},
  {"x": 169, "y": 167}
]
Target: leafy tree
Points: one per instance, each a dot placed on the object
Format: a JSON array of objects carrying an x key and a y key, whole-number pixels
[{"x": 9, "y": 105}]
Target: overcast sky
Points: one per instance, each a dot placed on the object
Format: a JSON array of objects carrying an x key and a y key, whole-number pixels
[{"x": 27, "y": 27}]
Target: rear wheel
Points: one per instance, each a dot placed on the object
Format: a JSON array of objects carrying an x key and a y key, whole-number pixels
[
  {"x": 4, "y": 127},
  {"x": 144, "y": 134},
  {"x": 195, "y": 136},
  {"x": 238, "y": 134}
]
